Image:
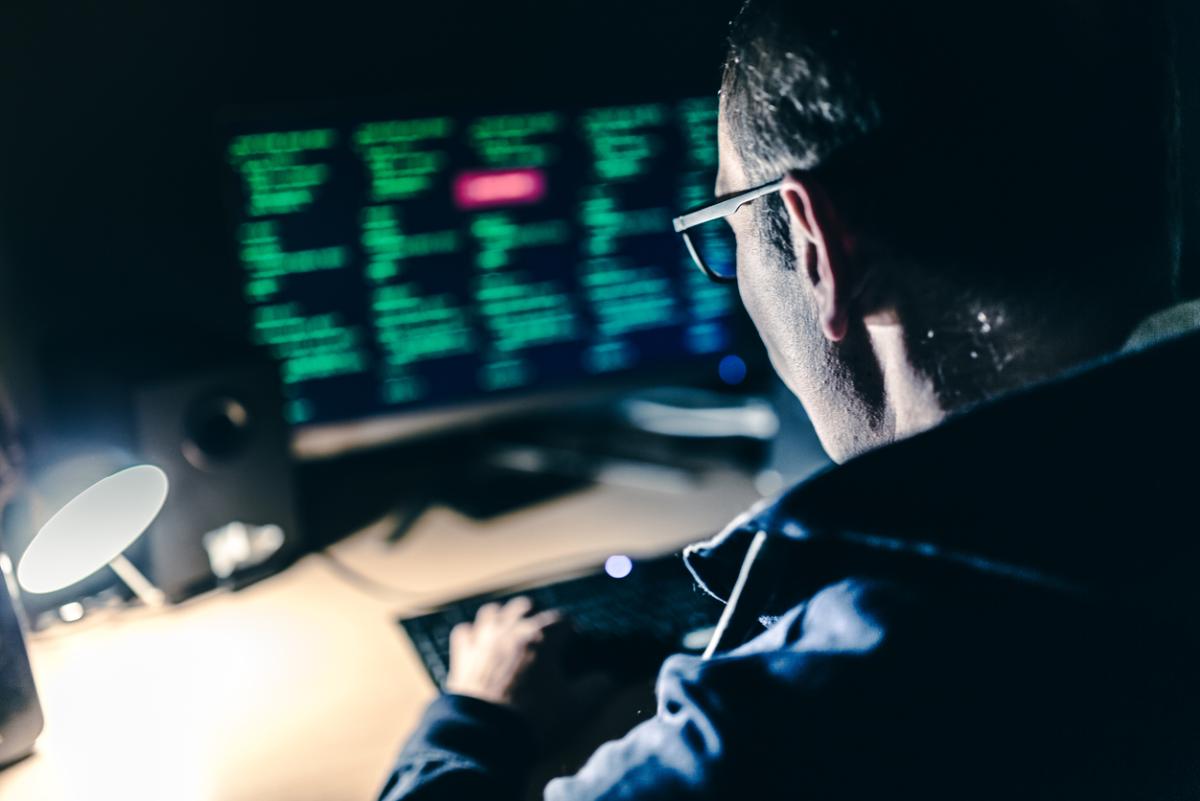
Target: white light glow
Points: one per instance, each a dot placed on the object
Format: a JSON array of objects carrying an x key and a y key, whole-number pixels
[
  {"x": 92, "y": 529},
  {"x": 618, "y": 566},
  {"x": 72, "y": 612}
]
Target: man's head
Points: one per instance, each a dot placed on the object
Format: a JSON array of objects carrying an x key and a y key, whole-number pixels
[{"x": 976, "y": 196}]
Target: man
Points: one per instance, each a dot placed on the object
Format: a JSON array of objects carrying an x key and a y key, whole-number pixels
[{"x": 959, "y": 262}]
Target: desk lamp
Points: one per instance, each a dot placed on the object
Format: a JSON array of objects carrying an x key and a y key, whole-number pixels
[{"x": 93, "y": 529}]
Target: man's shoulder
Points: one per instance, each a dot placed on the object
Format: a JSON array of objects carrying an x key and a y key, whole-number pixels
[
  {"x": 864, "y": 613},
  {"x": 885, "y": 671},
  {"x": 857, "y": 623}
]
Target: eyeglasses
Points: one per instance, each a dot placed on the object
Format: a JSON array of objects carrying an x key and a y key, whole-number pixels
[{"x": 711, "y": 246}]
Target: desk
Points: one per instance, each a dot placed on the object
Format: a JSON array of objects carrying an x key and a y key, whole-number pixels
[{"x": 301, "y": 687}]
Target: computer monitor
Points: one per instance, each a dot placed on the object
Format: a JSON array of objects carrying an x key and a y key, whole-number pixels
[{"x": 412, "y": 270}]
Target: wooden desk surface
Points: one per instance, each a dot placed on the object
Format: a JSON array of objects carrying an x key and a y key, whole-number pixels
[{"x": 302, "y": 687}]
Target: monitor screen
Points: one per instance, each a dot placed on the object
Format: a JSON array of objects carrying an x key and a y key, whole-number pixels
[{"x": 400, "y": 263}]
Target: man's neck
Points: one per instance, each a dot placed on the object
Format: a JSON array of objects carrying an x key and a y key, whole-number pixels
[
  {"x": 912, "y": 398},
  {"x": 910, "y": 394}
]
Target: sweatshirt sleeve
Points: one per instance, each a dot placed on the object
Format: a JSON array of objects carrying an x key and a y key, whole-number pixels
[
  {"x": 725, "y": 726},
  {"x": 463, "y": 748},
  {"x": 802, "y": 702}
]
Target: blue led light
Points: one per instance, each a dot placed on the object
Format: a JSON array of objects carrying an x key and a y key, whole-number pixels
[{"x": 732, "y": 369}]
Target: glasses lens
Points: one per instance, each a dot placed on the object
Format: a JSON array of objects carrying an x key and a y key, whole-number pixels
[{"x": 715, "y": 243}]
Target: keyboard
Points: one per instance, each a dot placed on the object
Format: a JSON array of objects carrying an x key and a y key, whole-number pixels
[{"x": 621, "y": 626}]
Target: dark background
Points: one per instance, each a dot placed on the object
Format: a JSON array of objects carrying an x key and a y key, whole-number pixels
[
  {"x": 113, "y": 232},
  {"x": 112, "y": 224}
]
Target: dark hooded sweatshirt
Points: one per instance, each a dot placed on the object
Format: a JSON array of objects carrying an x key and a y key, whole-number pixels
[{"x": 1001, "y": 607}]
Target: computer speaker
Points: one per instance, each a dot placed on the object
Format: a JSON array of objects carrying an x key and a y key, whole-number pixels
[{"x": 230, "y": 512}]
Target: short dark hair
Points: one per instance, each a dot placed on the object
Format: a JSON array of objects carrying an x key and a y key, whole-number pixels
[{"x": 1015, "y": 152}]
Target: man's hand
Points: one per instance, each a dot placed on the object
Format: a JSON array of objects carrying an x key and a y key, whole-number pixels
[{"x": 508, "y": 656}]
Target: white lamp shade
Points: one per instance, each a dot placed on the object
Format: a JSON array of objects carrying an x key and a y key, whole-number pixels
[{"x": 92, "y": 529}]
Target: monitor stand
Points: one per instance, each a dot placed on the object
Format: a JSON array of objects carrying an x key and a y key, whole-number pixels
[
  {"x": 491, "y": 489},
  {"x": 485, "y": 490},
  {"x": 512, "y": 477},
  {"x": 487, "y": 472}
]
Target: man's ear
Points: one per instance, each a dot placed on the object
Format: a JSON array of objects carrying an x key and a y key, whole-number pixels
[{"x": 816, "y": 239}]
